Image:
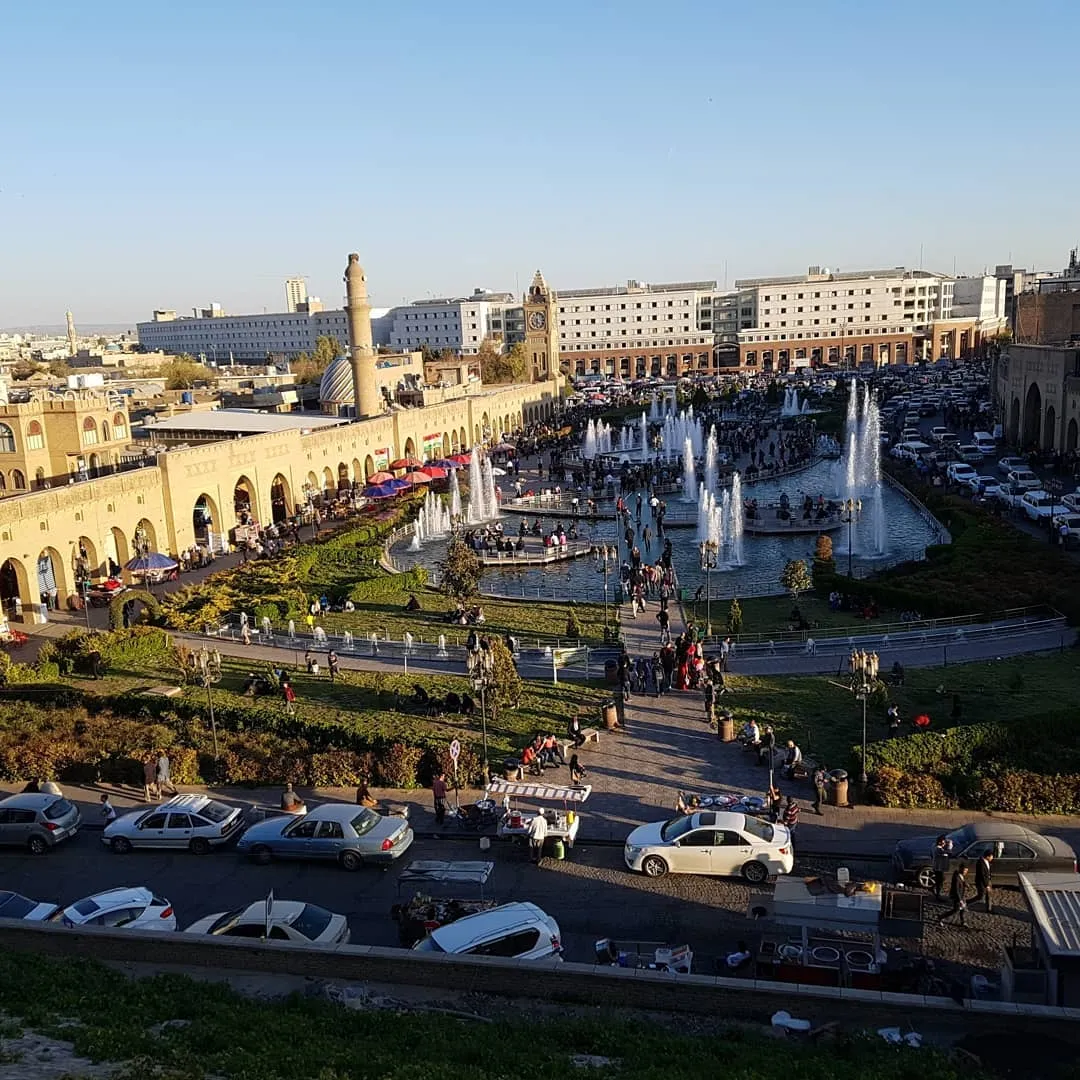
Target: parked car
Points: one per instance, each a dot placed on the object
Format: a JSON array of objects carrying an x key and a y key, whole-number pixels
[
  {"x": 134, "y": 908},
  {"x": 290, "y": 920},
  {"x": 1010, "y": 494},
  {"x": 981, "y": 484},
  {"x": 1071, "y": 502},
  {"x": 37, "y": 821},
  {"x": 1038, "y": 505},
  {"x": 190, "y": 822},
  {"x": 1071, "y": 521},
  {"x": 14, "y": 905},
  {"x": 344, "y": 833},
  {"x": 518, "y": 930},
  {"x": 711, "y": 842},
  {"x": 1015, "y": 848},
  {"x": 960, "y": 472},
  {"x": 1026, "y": 479},
  {"x": 969, "y": 452},
  {"x": 1008, "y": 464}
]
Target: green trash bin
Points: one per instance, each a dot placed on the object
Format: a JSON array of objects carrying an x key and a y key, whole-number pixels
[{"x": 558, "y": 850}]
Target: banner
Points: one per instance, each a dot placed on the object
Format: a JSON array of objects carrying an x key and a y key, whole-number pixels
[
  {"x": 433, "y": 445},
  {"x": 381, "y": 458}
]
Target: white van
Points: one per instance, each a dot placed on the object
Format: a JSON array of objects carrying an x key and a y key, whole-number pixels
[
  {"x": 985, "y": 442},
  {"x": 518, "y": 930}
]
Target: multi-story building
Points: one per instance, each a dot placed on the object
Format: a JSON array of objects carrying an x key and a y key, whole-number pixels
[
  {"x": 844, "y": 319},
  {"x": 295, "y": 293},
  {"x": 1048, "y": 311},
  {"x": 638, "y": 330},
  {"x": 457, "y": 324}
]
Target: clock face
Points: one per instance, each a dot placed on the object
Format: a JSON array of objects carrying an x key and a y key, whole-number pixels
[{"x": 537, "y": 321}]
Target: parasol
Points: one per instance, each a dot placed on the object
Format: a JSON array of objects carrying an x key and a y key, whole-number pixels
[
  {"x": 406, "y": 463},
  {"x": 435, "y": 472},
  {"x": 380, "y": 477},
  {"x": 152, "y": 560},
  {"x": 416, "y": 477}
]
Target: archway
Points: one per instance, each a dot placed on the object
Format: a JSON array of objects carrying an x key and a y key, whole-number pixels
[
  {"x": 328, "y": 481},
  {"x": 463, "y": 441},
  {"x": 205, "y": 519},
  {"x": 369, "y": 466},
  {"x": 105, "y": 431},
  {"x": 280, "y": 499},
  {"x": 84, "y": 560},
  {"x": 52, "y": 579},
  {"x": 18, "y": 480},
  {"x": 116, "y": 551},
  {"x": 410, "y": 449},
  {"x": 342, "y": 475},
  {"x": 245, "y": 505},
  {"x": 39, "y": 478},
  {"x": 1032, "y": 415},
  {"x": 124, "y": 610},
  {"x": 445, "y": 444},
  {"x": 1050, "y": 428},
  {"x": 144, "y": 538},
  {"x": 476, "y": 435},
  {"x": 453, "y": 442},
  {"x": 14, "y": 585},
  {"x": 1014, "y": 422},
  {"x": 95, "y": 464},
  {"x": 358, "y": 473},
  {"x": 1071, "y": 435},
  {"x": 485, "y": 428}
]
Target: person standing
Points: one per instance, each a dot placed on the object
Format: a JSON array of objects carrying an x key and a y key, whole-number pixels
[
  {"x": 164, "y": 773},
  {"x": 791, "y": 815},
  {"x": 710, "y": 701},
  {"x": 821, "y": 789},
  {"x": 984, "y": 881},
  {"x": 958, "y": 895},
  {"x": 438, "y": 794},
  {"x": 725, "y": 652},
  {"x": 150, "y": 789},
  {"x": 942, "y": 853},
  {"x": 289, "y": 694},
  {"x": 332, "y": 664},
  {"x": 538, "y": 832},
  {"x": 767, "y": 747}
]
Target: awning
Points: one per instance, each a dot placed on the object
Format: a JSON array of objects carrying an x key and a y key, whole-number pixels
[
  {"x": 522, "y": 789},
  {"x": 435, "y": 871}
]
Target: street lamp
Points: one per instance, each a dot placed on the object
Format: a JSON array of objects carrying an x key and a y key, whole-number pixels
[
  {"x": 848, "y": 517},
  {"x": 605, "y": 557},
  {"x": 708, "y": 551},
  {"x": 480, "y": 663},
  {"x": 207, "y": 674},
  {"x": 863, "y": 695}
]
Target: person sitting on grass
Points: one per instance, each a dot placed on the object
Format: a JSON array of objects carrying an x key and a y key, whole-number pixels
[{"x": 413, "y": 604}]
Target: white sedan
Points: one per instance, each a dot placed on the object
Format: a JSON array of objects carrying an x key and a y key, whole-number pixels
[
  {"x": 711, "y": 842},
  {"x": 986, "y": 485},
  {"x": 1071, "y": 521},
  {"x": 290, "y": 920},
  {"x": 134, "y": 908},
  {"x": 1038, "y": 505},
  {"x": 960, "y": 472}
]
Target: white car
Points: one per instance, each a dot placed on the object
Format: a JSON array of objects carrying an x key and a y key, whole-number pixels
[
  {"x": 134, "y": 908},
  {"x": 1071, "y": 502},
  {"x": 982, "y": 484},
  {"x": 519, "y": 930},
  {"x": 711, "y": 842},
  {"x": 187, "y": 822},
  {"x": 1010, "y": 494},
  {"x": 290, "y": 920},
  {"x": 1026, "y": 479},
  {"x": 1008, "y": 464},
  {"x": 969, "y": 452},
  {"x": 1071, "y": 521},
  {"x": 14, "y": 905},
  {"x": 959, "y": 472},
  {"x": 1038, "y": 505}
]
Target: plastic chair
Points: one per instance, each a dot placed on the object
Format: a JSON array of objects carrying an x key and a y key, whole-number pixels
[{"x": 843, "y": 876}]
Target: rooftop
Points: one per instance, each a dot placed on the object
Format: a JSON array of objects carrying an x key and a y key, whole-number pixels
[
  {"x": 633, "y": 287},
  {"x": 242, "y": 422},
  {"x": 826, "y": 275},
  {"x": 1055, "y": 903}
]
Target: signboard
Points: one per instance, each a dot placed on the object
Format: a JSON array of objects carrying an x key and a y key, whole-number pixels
[
  {"x": 455, "y": 750},
  {"x": 433, "y": 445},
  {"x": 381, "y": 457}
]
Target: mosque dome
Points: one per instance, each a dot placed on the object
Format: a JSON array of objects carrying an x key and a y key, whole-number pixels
[{"x": 336, "y": 386}]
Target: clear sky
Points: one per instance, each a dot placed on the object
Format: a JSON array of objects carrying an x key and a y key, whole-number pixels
[{"x": 167, "y": 155}]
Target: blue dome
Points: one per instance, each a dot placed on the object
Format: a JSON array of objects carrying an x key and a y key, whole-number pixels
[{"x": 336, "y": 386}]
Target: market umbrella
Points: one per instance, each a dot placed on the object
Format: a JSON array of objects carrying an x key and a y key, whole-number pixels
[
  {"x": 152, "y": 560},
  {"x": 406, "y": 463},
  {"x": 417, "y": 477},
  {"x": 435, "y": 472},
  {"x": 379, "y": 491},
  {"x": 396, "y": 485},
  {"x": 442, "y": 463},
  {"x": 462, "y": 459},
  {"x": 504, "y": 448},
  {"x": 380, "y": 477}
]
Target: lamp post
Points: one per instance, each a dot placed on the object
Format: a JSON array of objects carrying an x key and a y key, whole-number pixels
[
  {"x": 603, "y": 566},
  {"x": 708, "y": 551},
  {"x": 862, "y": 693},
  {"x": 207, "y": 673},
  {"x": 1054, "y": 486},
  {"x": 847, "y": 516},
  {"x": 481, "y": 665}
]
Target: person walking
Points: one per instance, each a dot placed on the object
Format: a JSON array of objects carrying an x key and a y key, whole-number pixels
[
  {"x": 942, "y": 853},
  {"x": 245, "y": 633},
  {"x": 984, "y": 881},
  {"x": 538, "y": 832},
  {"x": 108, "y": 811},
  {"x": 438, "y": 794},
  {"x": 332, "y": 665},
  {"x": 164, "y": 773},
  {"x": 958, "y": 895},
  {"x": 664, "y": 620},
  {"x": 150, "y": 789},
  {"x": 791, "y": 814},
  {"x": 821, "y": 789},
  {"x": 289, "y": 694},
  {"x": 710, "y": 702}
]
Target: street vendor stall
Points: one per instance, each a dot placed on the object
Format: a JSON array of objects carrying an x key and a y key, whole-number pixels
[
  {"x": 737, "y": 802},
  {"x": 432, "y": 893},
  {"x": 563, "y": 824}
]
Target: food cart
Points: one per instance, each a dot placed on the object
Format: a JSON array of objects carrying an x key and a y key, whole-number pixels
[
  {"x": 431, "y": 893},
  {"x": 563, "y": 824},
  {"x": 650, "y": 955},
  {"x": 734, "y": 801}
]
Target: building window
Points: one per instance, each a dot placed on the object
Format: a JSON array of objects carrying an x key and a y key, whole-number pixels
[
  {"x": 7, "y": 440},
  {"x": 18, "y": 481},
  {"x": 89, "y": 435}
]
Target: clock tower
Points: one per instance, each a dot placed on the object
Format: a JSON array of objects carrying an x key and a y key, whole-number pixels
[{"x": 541, "y": 330}]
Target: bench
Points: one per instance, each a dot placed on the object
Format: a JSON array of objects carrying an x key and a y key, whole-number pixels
[{"x": 589, "y": 734}]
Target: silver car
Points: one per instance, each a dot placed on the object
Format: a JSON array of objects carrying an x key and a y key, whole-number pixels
[
  {"x": 37, "y": 822},
  {"x": 194, "y": 823}
]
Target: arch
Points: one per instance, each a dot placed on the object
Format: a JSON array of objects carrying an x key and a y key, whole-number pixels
[
  {"x": 410, "y": 448},
  {"x": 84, "y": 560},
  {"x": 95, "y": 463},
  {"x": 116, "y": 550},
  {"x": 119, "y": 423},
  {"x": 131, "y": 596},
  {"x": 343, "y": 478},
  {"x": 1050, "y": 428},
  {"x": 7, "y": 440},
  {"x": 358, "y": 473},
  {"x": 476, "y": 435},
  {"x": 90, "y": 431},
  {"x": 245, "y": 502},
  {"x": 39, "y": 477},
  {"x": 454, "y": 441},
  {"x": 463, "y": 440},
  {"x": 3, "y": 482},
  {"x": 328, "y": 480},
  {"x": 1014, "y": 422},
  {"x": 1032, "y": 415},
  {"x": 144, "y": 538},
  {"x": 1071, "y": 436},
  {"x": 280, "y": 499},
  {"x": 446, "y": 444},
  {"x": 105, "y": 431},
  {"x": 35, "y": 436},
  {"x": 18, "y": 480},
  {"x": 205, "y": 518},
  {"x": 369, "y": 466},
  {"x": 485, "y": 428},
  {"x": 14, "y": 585},
  {"x": 52, "y": 578}
]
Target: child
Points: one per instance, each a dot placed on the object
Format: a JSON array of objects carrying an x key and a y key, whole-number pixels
[{"x": 108, "y": 813}]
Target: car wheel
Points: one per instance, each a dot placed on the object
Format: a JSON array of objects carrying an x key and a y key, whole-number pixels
[
  {"x": 200, "y": 845},
  {"x": 120, "y": 845},
  {"x": 925, "y": 877},
  {"x": 755, "y": 872},
  {"x": 654, "y": 866},
  {"x": 37, "y": 846},
  {"x": 261, "y": 854},
  {"x": 350, "y": 860}
]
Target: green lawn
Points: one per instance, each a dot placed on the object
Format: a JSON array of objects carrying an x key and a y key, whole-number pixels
[
  {"x": 826, "y": 720},
  {"x": 768, "y": 615},
  {"x": 111, "y": 1018}
]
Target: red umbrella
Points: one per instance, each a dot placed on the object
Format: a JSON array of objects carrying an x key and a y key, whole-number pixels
[
  {"x": 406, "y": 463},
  {"x": 380, "y": 477},
  {"x": 416, "y": 477},
  {"x": 462, "y": 459},
  {"x": 435, "y": 472}
]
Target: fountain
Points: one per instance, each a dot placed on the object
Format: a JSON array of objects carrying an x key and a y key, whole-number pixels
[
  {"x": 860, "y": 477},
  {"x": 490, "y": 497},
  {"x": 689, "y": 477},
  {"x": 588, "y": 447},
  {"x": 655, "y": 411},
  {"x": 455, "y": 497},
  {"x": 711, "y": 464},
  {"x": 872, "y": 449},
  {"x": 433, "y": 522},
  {"x": 736, "y": 527},
  {"x": 643, "y": 431},
  {"x": 790, "y": 406}
]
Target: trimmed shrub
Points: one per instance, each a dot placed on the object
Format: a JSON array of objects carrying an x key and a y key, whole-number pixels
[
  {"x": 398, "y": 766},
  {"x": 910, "y": 791}
]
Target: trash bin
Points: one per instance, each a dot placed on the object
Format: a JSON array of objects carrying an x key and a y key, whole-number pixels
[
  {"x": 610, "y": 715},
  {"x": 838, "y": 795},
  {"x": 558, "y": 850},
  {"x": 725, "y": 729},
  {"x": 511, "y": 768},
  {"x": 611, "y": 672}
]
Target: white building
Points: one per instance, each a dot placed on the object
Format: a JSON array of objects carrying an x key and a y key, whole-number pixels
[
  {"x": 295, "y": 293},
  {"x": 458, "y": 324},
  {"x": 981, "y": 298}
]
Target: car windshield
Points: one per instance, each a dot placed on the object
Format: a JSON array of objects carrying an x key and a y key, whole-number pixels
[
  {"x": 85, "y": 907},
  {"x": 365, "y": 821},
  {"x": 14, "y": 906},
  {"x": 312, "y": 922},
  {"x": 760, "y": 830},
  {"x": 215, "y": 812},
  {"x": 676, "y": 827},
  {"x": 226, "y": 922}
]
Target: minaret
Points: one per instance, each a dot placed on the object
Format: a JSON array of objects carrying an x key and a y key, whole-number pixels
[
  {"x": 72, "y": 350},
  {"x": 361, "y": 352}
]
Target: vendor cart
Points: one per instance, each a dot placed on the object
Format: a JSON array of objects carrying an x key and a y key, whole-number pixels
[
  {"x": 736, "y": 801},
  {"x": 650, "y": 955},
  {"x": 432, "y": 893},
  {"x": 563, "y": 824}
]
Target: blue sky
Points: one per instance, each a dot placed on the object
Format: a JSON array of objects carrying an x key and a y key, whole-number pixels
[{"x": 157, "y": 155}]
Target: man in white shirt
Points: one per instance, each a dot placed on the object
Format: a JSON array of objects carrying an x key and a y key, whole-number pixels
[{"x": 538, "y": 832}]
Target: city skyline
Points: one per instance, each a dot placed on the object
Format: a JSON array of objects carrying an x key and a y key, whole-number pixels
[{"x": 160, "y": 168}]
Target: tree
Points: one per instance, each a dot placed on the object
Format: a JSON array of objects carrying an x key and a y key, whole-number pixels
[
  {"x": 504, "y": 686},
  {"x": 700, "y": 398},
  {"x": 309, "y": 367},
  {"x": 461, "y": 570},
  {"x": 573, "y": 623},
  {"x": 824, "y": 563},
  {"x": 59, "y": 369},
  {"x": 183, "y": 372},
  {"x": 502, "y": 367},
  {"x": 795, "y": 577},
  {"x": 772, "y": 394},
  {"x": 734, "y": 617},
  {"x": 23, "y": 369}
]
